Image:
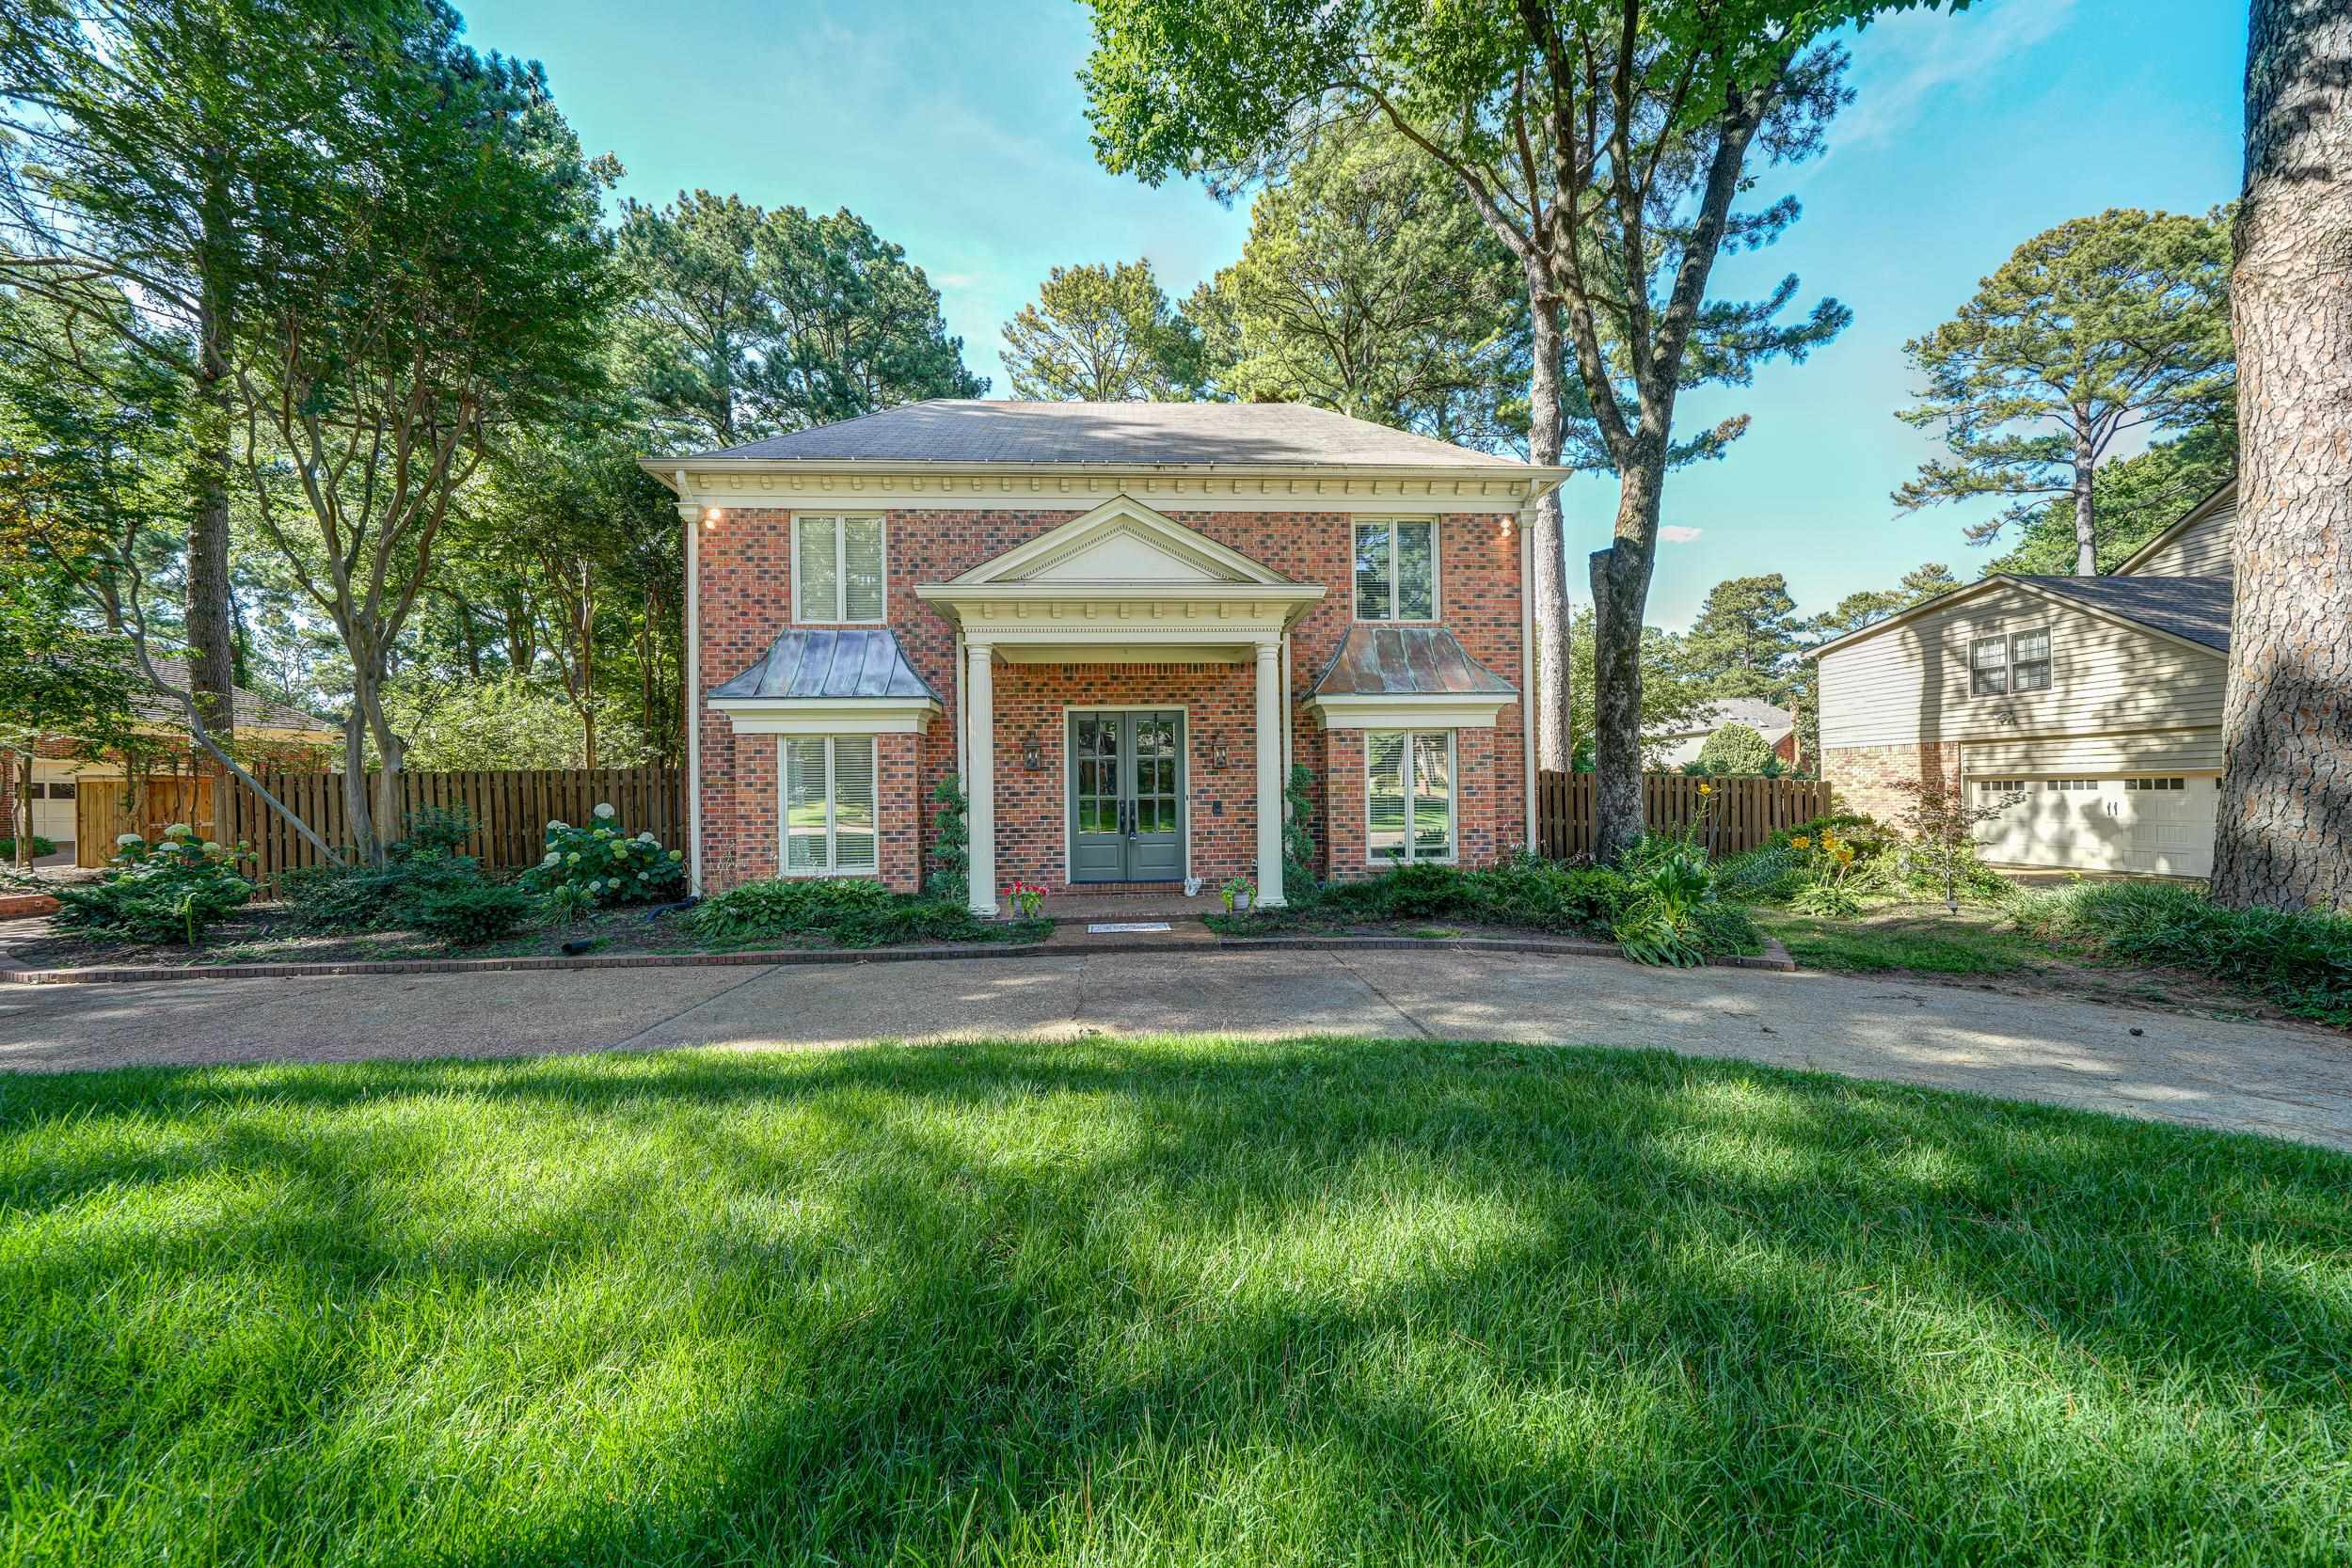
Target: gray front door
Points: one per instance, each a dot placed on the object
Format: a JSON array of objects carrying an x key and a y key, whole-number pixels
[{"x": 1127, "y": 797}]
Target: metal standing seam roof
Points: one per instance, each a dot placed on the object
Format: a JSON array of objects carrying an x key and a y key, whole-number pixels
[
  {"x": 2197, "y": 609},
  {"x": 977, "y": 430},
  {"x": 1408, "y": 661},
  {"x": 861, "y": 664}
]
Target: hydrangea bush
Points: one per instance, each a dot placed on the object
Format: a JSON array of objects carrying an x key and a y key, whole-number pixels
[
  {"x": 608, "y": 864},
  {"x": 168, "y": 891}
]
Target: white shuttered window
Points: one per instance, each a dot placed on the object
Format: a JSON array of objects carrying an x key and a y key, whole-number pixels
[
  {"x": 828, "y": 788},
  {"x": 837, "y": 568},
  {"x": 1409, "y": 796}
]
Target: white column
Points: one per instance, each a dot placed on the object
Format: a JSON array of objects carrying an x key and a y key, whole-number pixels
[
  {"x": 980, "y": 786},
  {"x": 1270, "y": 774}
]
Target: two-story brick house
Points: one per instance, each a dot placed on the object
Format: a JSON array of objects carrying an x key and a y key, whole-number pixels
[{"x": 1121, "y": 624}]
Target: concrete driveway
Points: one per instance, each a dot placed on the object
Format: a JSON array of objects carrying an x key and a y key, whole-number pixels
[{"x": 2289, "y": 1083}]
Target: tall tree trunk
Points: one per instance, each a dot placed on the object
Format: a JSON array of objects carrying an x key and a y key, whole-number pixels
[
  {"x": 2285, "y": 831},
  {"x": 1620, "y": 598},
  {"x": 212, "y": 657},
  {"x": 1555, "y": 683},
  {"x": 2086, "y": 517},
  {"x": 23, "y": 814}
]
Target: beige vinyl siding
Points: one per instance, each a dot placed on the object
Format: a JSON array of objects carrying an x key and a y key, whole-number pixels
[
  {"x": 2203, "y": 550},
  {"x": 1910, "y": 683},
  {"x": 2052, "y": 756}
]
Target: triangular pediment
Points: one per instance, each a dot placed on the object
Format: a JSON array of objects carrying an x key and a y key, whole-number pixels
[{"x": 1126, "y": 542}]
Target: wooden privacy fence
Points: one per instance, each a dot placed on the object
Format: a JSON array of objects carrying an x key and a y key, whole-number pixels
[
  {"x": 1741, "y": 812},
  {"x": 511, "y": 809}
]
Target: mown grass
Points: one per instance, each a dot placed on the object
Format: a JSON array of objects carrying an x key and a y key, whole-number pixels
[
  {"x": 1173, "y": 1302},
  {"x": 1883, "y": 942}
]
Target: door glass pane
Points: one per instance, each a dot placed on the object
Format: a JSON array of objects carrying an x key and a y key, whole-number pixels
[
  {"x": 1155, "y": 773},
  {"x": 1096, "y": 749},
  {"x": 1432, "y": 798},
  {"x": 862, "y": 553},
  {"x": 804, "y": 804},
  {"x": 820, "y": 572},
  {"x": 1416, "y": 571},
  {"x": 853, "y": 844},
  {"x": 1372, "y": 571},
  {"x": 1385, "y": 797}
]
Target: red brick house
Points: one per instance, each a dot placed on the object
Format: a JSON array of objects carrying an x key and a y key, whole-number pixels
[{"x": 1119, "y": 624}]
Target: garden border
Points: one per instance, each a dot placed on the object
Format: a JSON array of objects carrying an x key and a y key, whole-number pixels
[{"x": 1774, "y": 957}]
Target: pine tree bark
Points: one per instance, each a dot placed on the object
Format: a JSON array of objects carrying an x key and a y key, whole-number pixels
[
  {"x": 2285, "y": 838},
  {"x": 211, "y": 661},
  {"x": 1554, "y": 684},
  {"x": 2086, "y": 516}
]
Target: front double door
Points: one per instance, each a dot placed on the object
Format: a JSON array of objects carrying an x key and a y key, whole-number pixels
[{"x": 1127, "y": 797}]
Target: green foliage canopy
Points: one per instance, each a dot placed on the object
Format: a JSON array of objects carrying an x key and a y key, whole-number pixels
[{"x": 1101, "y": 334}]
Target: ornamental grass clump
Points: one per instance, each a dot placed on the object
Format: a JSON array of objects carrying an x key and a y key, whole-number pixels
[
  {"x": 159, "y": 893},
  {"x": 2298, "y": 959},
  {"x": 606, "y": 863}
]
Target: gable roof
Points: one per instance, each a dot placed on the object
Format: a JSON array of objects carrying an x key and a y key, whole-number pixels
[
  {"x": 975, "y": 430},
  {"x": 1767, "y": 718},
  {"x": 844, "y": 666},
  {"x": 2220, "y": 499},
  {"x": 2196, "y": 610},
  {"x": 252, "y": 709},
  {"x": 1406, "y": 661},
  {"x": 1122, "y": 540}
]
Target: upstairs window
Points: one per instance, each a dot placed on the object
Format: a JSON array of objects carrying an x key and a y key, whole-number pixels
[
  {"x": 1396, "y": 570},
  {"x": 2019, "y": 662},
  {"x": 837, "y": 568}
]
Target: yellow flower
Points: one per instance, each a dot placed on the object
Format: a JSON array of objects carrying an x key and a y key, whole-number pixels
[
  {"x": 1845, "y": 857},
  {"x": 1707, "y": 789},
  {"x": 1801, "y": 842}
]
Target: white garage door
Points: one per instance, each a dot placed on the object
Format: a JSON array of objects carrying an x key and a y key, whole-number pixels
[
  {"x": 53, "y": 810},
  {"x": 2154, "y": 824}
]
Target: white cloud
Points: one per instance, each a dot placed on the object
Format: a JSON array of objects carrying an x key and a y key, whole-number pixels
[
  {"x": 954, "y": 279},
  {"x": 1676, "y": 535},
  {"x": 1903, "y": 61}
]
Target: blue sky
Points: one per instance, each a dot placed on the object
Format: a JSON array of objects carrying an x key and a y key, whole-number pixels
[{"x": 956, "y": 127}]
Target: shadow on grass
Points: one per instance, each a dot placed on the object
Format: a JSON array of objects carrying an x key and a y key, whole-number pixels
[{"x": 1168, "y": 1301}]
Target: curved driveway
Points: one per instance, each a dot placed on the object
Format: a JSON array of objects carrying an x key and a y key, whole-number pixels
[{"x": 2289, "y": 1083}]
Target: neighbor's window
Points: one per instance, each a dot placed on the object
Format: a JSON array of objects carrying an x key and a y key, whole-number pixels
[
  {"x": 1988, "y": 666},
  {"x": 828, "y": 791},
  {"x": 1396, "y": 570},
  {"x": 1409, "y": 796},
  {"x": 837, "y": 568},
  {"x": 2029, "y": 661}
]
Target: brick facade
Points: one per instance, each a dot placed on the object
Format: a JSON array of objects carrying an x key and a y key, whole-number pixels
[
  {"x": 1864, "y": 778},
  {"x": 745, "y": 600}
]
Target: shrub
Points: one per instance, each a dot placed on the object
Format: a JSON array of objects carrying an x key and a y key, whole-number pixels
[
  {"x": 951, "y": 847},
  {"x": 1525, "y": 890},
  {"x": 471, "y": 911},
  {"x": 41, "y": 847},
  {"x": 849, "y": 911},
  {"x": 364, "y": 896},
  {"x": 1734, "y": 749},
  {"x": 566, "y": 905},
  {"x": 1770, "y": 874},
  {"x": 433, "y": 831},
  {"x": 157, "y": 893},
  {"x": 609, "y": 867},
  {"x": 2300, "y": 960}
]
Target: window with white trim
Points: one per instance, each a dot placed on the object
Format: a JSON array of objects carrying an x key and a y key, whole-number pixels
[
  {"x": 1396, "y": 569},
  {"x": 828, "y": 797},
  {"x": 1409, "y": 796},
  {"x": 1988, "y": 667},
  {"x": 2014, "y": 661},
  {"x": 837, "y": 568}
]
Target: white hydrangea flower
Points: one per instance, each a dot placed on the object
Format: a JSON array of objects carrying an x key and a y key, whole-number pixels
[
  {"x": 211, "y": 846},
  {"x": 553, "y": 856},
  {"x": 604, "y": 810},
  {"x": 178, "y": 829},
  {"x": 126, "y": 840},
  {"x": 644, "y": 838},
  {"x": 558, "y": 826}
]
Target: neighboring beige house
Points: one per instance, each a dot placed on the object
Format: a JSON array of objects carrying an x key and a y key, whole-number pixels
[
  {"x": 1674, "y": 747},
  {"x": 2098, "y": 700}
]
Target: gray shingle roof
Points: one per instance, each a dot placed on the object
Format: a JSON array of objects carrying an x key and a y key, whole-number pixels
[
  {"x": 2197, "y": 609},
  {"x": 1406, "y": 661},
  {"x": 1759, "y": 715},
  {"x": 968, "y": 430},
  {"x": 830, "y": 665},
  {"x": 253, "y": 710}
]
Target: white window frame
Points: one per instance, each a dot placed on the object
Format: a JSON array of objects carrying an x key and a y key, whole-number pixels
[
  {"x": 831, "y": 868},
  {"x": 2048, "y": 659},
  {"x": 1396, "y": 577},
  {"x": 1976, "y": 673},
  {"x": 1452, "y": 800},
  {"x": 840, "y": 605}
]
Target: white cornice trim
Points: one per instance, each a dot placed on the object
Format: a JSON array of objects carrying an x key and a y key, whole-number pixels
[
  {"x": 1081, "y": 486},
  {"x": 1444, "y": 710},
  {"x": 827, "y": 715}
]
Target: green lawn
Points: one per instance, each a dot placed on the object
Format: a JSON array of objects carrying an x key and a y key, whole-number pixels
[
  {"x": 1179, "y": 1302},
  {"x": 1928, "y": 942}
]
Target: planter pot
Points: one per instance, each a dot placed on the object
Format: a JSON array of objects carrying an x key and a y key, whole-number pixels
[{"x": 1241, "y": 903}]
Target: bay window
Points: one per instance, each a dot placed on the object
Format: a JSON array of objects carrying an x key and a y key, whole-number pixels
[
  {"x": 828, "y": 790},
  {"x": 1409, "y": 796}
]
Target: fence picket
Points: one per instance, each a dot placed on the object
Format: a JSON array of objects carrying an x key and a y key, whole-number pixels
[{"x": 1741, "y": 812}]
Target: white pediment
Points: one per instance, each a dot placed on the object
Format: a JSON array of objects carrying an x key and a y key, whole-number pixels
[{"x": 1120, "y": 542}]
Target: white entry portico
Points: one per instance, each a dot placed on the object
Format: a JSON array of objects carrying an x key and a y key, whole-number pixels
[{"x": 1121, "y": 584}]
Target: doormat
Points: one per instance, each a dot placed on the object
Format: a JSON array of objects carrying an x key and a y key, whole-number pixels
[{"x": 1114, "y": 926}]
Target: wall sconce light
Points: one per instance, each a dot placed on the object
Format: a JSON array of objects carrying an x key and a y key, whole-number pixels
[
  {"x": 710, "y": 517},
  {"x": 1509, "y": 522},
  {"x": 1032, "y": 754},
  {"x": 1216, "y": 751}
]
